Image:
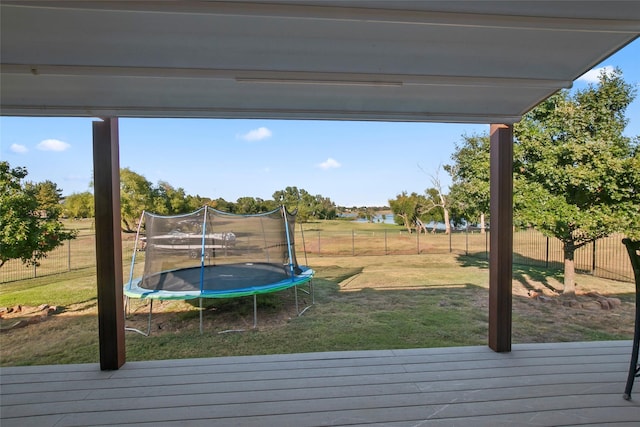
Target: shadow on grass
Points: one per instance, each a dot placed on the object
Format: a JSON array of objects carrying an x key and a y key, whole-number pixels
[{"x": 524, "y": 271}]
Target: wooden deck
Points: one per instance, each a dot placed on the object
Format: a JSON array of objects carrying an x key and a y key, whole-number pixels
[{"x": 534, "y": 385}]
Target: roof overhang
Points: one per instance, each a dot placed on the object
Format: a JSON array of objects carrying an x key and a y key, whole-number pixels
[{"x": 463, "y": 61}]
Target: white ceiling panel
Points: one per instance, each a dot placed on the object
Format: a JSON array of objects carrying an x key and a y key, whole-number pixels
[{"x": 472, "y": 62}]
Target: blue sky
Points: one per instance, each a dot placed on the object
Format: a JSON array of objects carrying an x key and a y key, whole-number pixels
[{"x": 353, "y": 163}]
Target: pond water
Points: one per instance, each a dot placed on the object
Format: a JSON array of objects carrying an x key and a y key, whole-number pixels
[{"x": 389, "y": 219}]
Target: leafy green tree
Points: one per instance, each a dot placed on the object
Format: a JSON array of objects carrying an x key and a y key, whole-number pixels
[
  {"x": 193, "y": 203},
  {"x": 79, "y": 205},
  {"x": 577, "y": 176},
  {"x": 29, "y": 226},
  {"x": 222, "y": 205},
  {"x": 247, "y": 205},
  {"x": 469, "y": 192},
  {"x": 436, "y": 204},
  {"x": 406, "y": 209},
  {"x": 136, "y": 195},
  {"x": 432, "y": 210},
  {"x": 366, "y": 213},
  {"x": 48, "y": 196},
  {"x": 289, "y": 197},
  {"x": 323, "y": 208},
  {"x": 168, "y": 200},
  {"x": 308, "y": 206}
]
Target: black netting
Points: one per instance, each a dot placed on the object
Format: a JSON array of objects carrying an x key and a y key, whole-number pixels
[{"x": 210, "y": 250}]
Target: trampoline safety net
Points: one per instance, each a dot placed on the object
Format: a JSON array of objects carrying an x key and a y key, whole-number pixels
[{"x": 209, "y": 253}]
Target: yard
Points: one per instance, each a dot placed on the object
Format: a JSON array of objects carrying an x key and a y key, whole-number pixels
[{"x": 361, "y": 302}]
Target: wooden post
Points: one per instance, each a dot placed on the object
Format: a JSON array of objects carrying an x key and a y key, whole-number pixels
[
  {"x": 501, "y": 239},
  {"x": 106, "y": 180}
]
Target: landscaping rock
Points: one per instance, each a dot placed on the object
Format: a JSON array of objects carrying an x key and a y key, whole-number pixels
[
  {"x": 571, "y": 303},
  {"x": 615, "y": 302},
  {"x": 592, "y": 305}
]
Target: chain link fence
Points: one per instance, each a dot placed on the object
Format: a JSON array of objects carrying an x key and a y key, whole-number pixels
[{"x": 606, "y": 258}]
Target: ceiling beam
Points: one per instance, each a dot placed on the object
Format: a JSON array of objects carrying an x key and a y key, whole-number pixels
[
  {"x": 252, "y": 113},
  {"x": 364, "y": 11},
  {"x": 284, "y": 77}
]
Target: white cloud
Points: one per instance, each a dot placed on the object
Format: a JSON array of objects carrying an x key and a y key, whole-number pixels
[
  {"x": 257, "y": 134},
  {"x": 17, "y": 148},
  {"x": 592, "y": 76},
  {"x": 53, "y": 145},
  {"x": 329, "y": 164}
]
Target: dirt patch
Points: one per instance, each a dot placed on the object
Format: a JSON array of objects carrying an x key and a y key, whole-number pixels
[
  {"x": 273, "y": 311},
  {"x": 543, "y": 314},
  {"x": 20, "y": 316}
]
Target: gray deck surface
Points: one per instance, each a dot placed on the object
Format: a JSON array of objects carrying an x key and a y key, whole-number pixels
[{"x": 534, "y": 385}]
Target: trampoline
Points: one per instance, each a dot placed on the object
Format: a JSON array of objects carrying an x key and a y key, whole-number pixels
[{"x": 213, "y": 254}]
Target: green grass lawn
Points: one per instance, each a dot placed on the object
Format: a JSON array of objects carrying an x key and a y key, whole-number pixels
[{"x": 433, "y": 299}]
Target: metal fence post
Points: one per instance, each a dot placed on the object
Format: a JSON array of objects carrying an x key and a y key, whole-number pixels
[
  {"x": 486, "y": 244},
  {"x": 69, "y": 255},
  {"x": 546, "y": 264},
  {"x": 466, "y": 243},
  {"x": 386, "y": 252},
  {"x": 593, "y": 259},
  {"x": 353, "y": 242}
]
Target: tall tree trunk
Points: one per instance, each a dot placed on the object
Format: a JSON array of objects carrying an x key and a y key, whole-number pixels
[
  {"x": 482, "y": 224},
  {"x": 447, "y": 223},
  {"x": 569, "y": 269},
  {"x": 407, "y": 223}
]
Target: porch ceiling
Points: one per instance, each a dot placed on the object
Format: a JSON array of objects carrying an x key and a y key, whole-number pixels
[{"x": 474, "y": 62}]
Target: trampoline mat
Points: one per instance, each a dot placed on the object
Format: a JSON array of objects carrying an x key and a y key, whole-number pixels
[{"x": 218, "y": 278}]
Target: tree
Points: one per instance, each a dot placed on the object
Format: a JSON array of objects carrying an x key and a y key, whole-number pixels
[
  {"x": 248, "y": 205},
  {"x": 307, "y": 205},
  {"x": 577, "y": 176},
  {"x": 323, "y": 207},
  {"x": 136, "y": 195},
  {"x": 289, "y": 197},
  {"x": 406, "y": 209},
  {"x": 79, "y": 205},
  {"x": 469, "y": 172},
  {"x": 432, "y": 211},
  {"x": 168, "y": 200},
  {"x": 436, "y": 208},
  {"x": 222, "y": 205},
  {"x": 28, "y": 229},
  {"x": 48, "y": 196}
]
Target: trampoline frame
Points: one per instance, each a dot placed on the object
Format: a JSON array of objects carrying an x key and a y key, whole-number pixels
[
  {"x": 132, "y": 289},
  {"x": 295, "y": 287}
]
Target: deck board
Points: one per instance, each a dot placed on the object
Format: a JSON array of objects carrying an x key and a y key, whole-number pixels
[{"x": 535, "y": 384}]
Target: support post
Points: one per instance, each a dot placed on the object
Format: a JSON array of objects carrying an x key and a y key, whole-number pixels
[
  {"x": 106, "y": 180},
  {"x": 501, "y": 238}
]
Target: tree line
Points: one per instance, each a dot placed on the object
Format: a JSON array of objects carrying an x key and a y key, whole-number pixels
[
  {"x": 138, "y": 194},
  {"x": 30, "y": 212}
]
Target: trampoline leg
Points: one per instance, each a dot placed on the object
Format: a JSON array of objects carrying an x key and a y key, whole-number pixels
[
  {"x": 149, "y": 321},
  {"x": 200, "y": 316},
  {"x": 255, "y": 311},
  {"x": 313, "y": 293},
  {"x": 295, "y": 291}
]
